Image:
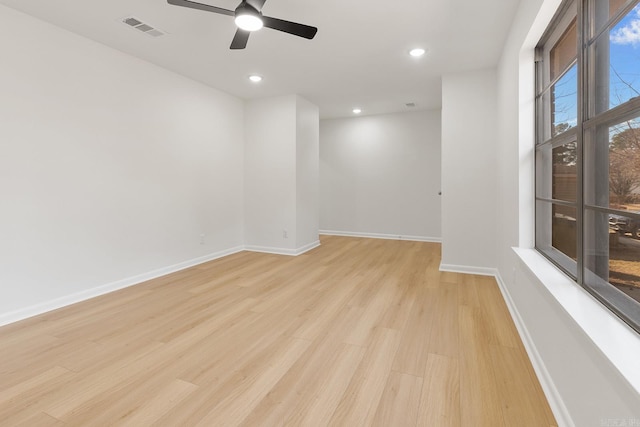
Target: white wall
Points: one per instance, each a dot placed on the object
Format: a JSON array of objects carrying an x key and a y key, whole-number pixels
[
  {"x": 307, "y": 170},
  {"x": 270, "y": 173},
  {"x": 468, "y": 170},
  {"x": 110, "y": 168},
  {"x": 587, "y": 390},
  {"x": 380, "y": 175},
  {"x": 281, "y": 173}
]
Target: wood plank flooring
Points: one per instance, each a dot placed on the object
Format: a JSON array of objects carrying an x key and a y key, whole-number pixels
[{"x": 358, "y": 332}]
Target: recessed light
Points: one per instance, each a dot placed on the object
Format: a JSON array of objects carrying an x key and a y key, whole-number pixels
[
  {"x": 417, "y": 52},
  {"x": 357, "y": 111},
  {"x": 255, "y": 78}
]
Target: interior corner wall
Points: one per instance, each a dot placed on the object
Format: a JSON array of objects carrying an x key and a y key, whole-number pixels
[
  {"x": 111, "y": 168},
  {"x": 307, "y": 165},
  {"x": 469, "y": 119},
  {"x": 270, "y": 174},
  {"x": 586, "y": 388},
  {"x": 380, "y": 175}
]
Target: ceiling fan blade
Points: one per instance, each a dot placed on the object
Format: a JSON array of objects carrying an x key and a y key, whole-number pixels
[
  {"x": 294, "y": 28},
  {"x": 200, "y": 6},
  {"x": 257, "y": 4},
  {"x": 240, "y": 39}
]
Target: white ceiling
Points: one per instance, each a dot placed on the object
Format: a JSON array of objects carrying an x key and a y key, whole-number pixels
[{"x": 358, "y": 58}]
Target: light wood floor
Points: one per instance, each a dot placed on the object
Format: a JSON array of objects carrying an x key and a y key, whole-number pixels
[{"x": 357, "y": 332}]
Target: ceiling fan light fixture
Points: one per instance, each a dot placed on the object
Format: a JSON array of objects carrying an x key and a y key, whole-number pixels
[
  {"x": 249, "y": 22},
  {"x": 248, "y": 18}
]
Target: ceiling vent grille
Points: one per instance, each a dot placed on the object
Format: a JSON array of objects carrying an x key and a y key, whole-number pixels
[{"x": 143, "y": 27}]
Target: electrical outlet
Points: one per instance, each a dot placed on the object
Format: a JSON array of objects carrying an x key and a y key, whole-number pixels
[
  {"x": 285, "y": 234},
  {"x": 202, "y": 236}
]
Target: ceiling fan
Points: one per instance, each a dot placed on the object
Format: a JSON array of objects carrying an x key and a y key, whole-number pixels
[{"x": 249, "y": 18}]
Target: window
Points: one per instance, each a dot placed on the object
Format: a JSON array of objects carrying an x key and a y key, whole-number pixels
[{"x": 588, "y": 149}]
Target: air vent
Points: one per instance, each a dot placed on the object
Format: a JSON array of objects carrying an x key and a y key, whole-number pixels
[
  {"x": 155, "y": 33},
  {"x": 410, "y": 104},
  {"x": 143, "y": 27},
  {"x": 132, "y": 21}
]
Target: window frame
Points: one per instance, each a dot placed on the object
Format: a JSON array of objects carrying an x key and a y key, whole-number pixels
[{"x": 587, "y": 121}]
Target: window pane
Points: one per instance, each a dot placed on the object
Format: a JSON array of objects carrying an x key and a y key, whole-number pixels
[
  {"x": 563, "y": 229},
  {"x": 624, "y": 226},
  {"x": 556, "y": 172},
  {"x": 556, "y": 233},
  {"x": 612, "y": 166},
  {"x": 616, "y": 63},
  {"x": 624, "y": 257},
  {"x": 604, "y": 10},
  {"x": 544, "y": 175},
  {"x": 615, "y": 6},
  {"x": 564, "y": 172},
  {"x": 612, "y": 253},
  {"x": 564, "y": 52},
  {"x": 564, "y": 102}
]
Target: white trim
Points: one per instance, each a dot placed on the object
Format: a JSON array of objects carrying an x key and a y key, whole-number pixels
[
  {"x": 270, "y": 250},
  {"x": 37, "y": 309},
  {"x": 481, "y": 271},
  {"x": 381, "y": 236},
  {"x": 560, "y": 411},
  {"x": 308, "y": 247},
  {"x": 615, "y": 339},
  {"x": 282, "y": 251}
]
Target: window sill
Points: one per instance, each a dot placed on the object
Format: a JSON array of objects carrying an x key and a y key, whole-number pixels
[{"x": 615, "y": 339}]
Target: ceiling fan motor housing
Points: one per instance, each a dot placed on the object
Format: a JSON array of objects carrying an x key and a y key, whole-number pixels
[{"x": 245, "y": 8}]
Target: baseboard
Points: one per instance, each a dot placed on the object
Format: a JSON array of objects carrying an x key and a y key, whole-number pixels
[
  {"x": 381, "y": 236},
  {"x": 35, "y": 310},
  {"x": 481, "y": 271},
  {"x": 560, "y": 411},
  {"x": 308, "y": 247},
  {"x": 282, "y": 251}
]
